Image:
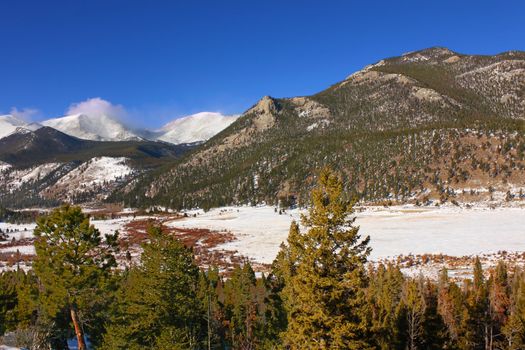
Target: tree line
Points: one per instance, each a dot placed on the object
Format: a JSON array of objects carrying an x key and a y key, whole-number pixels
[{"x": 321, "y": 293}]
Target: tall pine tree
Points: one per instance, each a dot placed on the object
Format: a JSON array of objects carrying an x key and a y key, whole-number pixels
[
  {"x": 324, "y": 294},
  {"x": 73, "y": 264}
]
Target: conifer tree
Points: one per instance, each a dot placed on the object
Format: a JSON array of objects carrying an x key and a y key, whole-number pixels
[
  {"x": 157, "y": 304},
  {"x": 450, "y": 306},
  {"x": 499, "y": 300},
  {"x": 284, "y": 266},
  {"x": 210, "y": 283},
  {"x": 415, "y": 305},
  {"x": 387, "y": 323},
  {"x": 514, "y": 328},
  {"x": 434, "y": 336},
  {"x": 274, "y": 314},
  {"x": 324, "y": 295},
  {"x": 73, "y": 263},
  {"x": 477, "y": 322},
  {"x": 242, "y": 310},
  {"x": 8, "y": 301}
]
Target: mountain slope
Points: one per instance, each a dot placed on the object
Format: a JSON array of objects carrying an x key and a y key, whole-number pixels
[
  {"x": 46, "y": 166},
  {"x": 432, "y": 125},
  {"x": 49, "y": 145}
]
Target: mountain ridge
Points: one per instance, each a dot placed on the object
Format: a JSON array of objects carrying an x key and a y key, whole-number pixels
[
  {"x": 46, "y": 167},
  {"x": 94, "y": 127},
  {"x": 402, "y": 118},
  {"x": 189, "y": 129}
]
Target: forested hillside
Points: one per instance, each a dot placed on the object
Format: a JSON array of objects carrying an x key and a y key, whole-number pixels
[
  {"x": 428, "y": 127},
  {"x": 321, "y": 293},
  {"x": 46, "y": 167}
]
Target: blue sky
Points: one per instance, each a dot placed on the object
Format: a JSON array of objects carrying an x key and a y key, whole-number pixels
[{"x": 163, "y": 59}]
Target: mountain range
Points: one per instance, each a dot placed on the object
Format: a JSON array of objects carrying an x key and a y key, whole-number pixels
[
  {"x": 194, "y": 128},
  {"x": 429, "y": 127}
]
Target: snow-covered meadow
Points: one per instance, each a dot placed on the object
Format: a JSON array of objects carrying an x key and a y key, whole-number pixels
[
  {"x": 393, "y": 231},
  {"x": 257, "y": 232}
]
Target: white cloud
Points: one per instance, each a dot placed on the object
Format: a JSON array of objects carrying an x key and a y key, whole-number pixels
[
  {"x": 97, "y": 107},
  {"x": 25, "y": 114}
]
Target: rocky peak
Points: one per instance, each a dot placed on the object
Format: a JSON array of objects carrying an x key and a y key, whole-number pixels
[{"x": 266, "y": 105}]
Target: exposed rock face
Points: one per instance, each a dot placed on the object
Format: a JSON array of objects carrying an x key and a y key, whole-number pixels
[
  {"x": 265, "y": 113},
  {"x": 427, "y": 94},
  {"x": 307, "y": 108},
  {"x": 452, "y": 59}
]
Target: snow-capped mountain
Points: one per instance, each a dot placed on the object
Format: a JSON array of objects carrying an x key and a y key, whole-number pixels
[
  {"x": 195, "y": 128},
  {"x": 10, "y": 124},
  {"x": 103, "y": 127},
  {"x": 93, "y": 127}
]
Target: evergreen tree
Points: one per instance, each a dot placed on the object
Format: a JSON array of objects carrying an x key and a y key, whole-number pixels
[
  {"x": 241, "y": 307},
  {"x": 27, "y": 299},
  {"x": 415, "y": 305},
  {"x": 434, "y": 336},
  {"x": 210, "y": 283},
  {"x": 157, "y": 304},
  {"x": 499, "y": 300},
  {"x": 324, "y": 295},
  {"x": 274, "y": 314},
  {"x": 73, "y": 265},
  {"x": 477, "y": 322},
  {"x": 450, "y": 306},
  {"x": 8, "y": 301},
  {"x": 514, "y": 328},
  {"x": 387, "y": 322}
]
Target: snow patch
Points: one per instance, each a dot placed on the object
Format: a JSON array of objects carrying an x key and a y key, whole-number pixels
[{"x": 4, "y": 166}]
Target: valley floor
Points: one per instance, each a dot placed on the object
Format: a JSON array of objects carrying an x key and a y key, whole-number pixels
[{"x": 420, "y": 239}]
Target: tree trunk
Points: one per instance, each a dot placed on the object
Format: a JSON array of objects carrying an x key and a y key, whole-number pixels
[
  {"x": 491, "y": 338},
  {"x": 486, "y": 337},
  {"x": 78, "y": 329}
]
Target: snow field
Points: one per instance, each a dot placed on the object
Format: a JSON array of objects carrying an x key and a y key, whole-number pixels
[{"x": 393, "y": 231}]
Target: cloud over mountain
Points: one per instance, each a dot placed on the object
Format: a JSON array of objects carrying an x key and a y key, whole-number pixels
[{"x": 97, "y": 107}]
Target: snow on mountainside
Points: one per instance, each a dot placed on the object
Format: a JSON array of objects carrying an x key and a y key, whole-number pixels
[
  {"x": 93, "y": 179},
  {"x": 12, "y": 179},
  {"x": 193, "y": 128},
  {"x": 20, "y": 177},
  {"x": 10, "y": 124},
  {"x": 93, "y": 127},
  {"x": 97, "y": 173}
]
